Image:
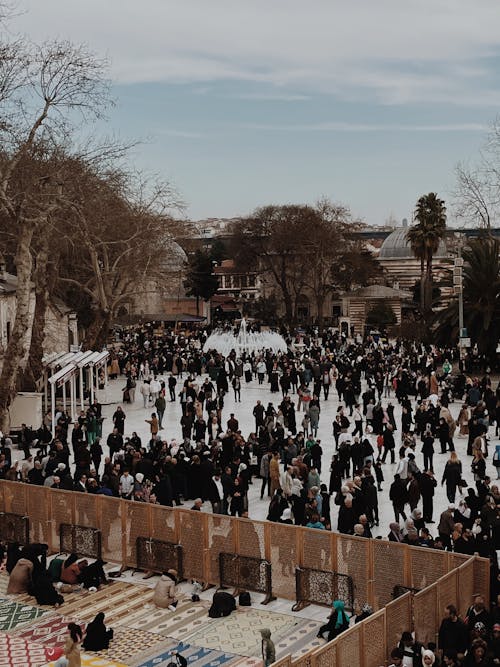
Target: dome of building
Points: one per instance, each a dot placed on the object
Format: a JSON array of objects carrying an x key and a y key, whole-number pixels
[
  {"x": 396, "y": 246},
  {"x": 177, "y": 258}
]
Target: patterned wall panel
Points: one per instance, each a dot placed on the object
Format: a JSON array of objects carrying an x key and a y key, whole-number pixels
[
  {"x": 61, "y": 511},
  {"x": 457, "y": 559},
  {"x": 350, "y": 647},
  {"x": 220, "y": 538},
  {"x": 317, "y": 550},
  {"x": 163, "y": 523},
  {"x": 375, "y": 649},
  {"x": 388, "y": 570},
  {"x": 284, "y": 559},
  {"x": 425, "y": 614},
  {"x": 111, "y": 526},
  {"x": 39, "y": 514},
  {"x": 191, "y": 537},
  {"x": 398, "y": 615},
  {"x": 136, "y": 525},
  {"x": 86, "y": 513},
  {"x": 465, "y": 587},
  {"x": 303, "y": 661},
  {"x": 447, "y": 592},
  {"x": 353, "y": 559},
  {"x": 326, "y": 656},
  {"x": 427, "y": 566},
  {"x": 251, "y": 538},
  {"x": 14, "y": 497},
  {"x": 482, "y": 577}
]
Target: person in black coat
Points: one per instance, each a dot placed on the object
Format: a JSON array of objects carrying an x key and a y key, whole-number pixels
[
  {"x": 98, "y": 636},
  {"x": 427, "y": 483}
]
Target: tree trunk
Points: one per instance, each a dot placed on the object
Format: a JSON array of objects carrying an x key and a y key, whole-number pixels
[
  {"x": 15, "y": 356},
  {"x": 34, "y": 367},
  {"x": 320, "y": 302},
  {"x": 428, "y": 285},
  {"x": 97, "y": 333}
]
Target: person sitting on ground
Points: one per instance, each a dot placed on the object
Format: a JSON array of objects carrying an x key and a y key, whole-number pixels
[
  {"x": 366, "y": 610},
  {"x": 98, "y": 636},
  {"x": 178, "y": 659},
  {"x": 165, "y": 595},
  {"x": 20, "y": 580},
  {"x": 337, "y": 622},
  {"x": 44, "y": 591}
]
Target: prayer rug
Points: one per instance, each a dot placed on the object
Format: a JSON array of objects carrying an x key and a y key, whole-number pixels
[
  {"x": 128, "y": 643},
  {"x": 299, "y": 640},
  {"x": 186, "y": 619},
  {"x": 195, "y": 655},
  {"x": 115, "y": 600},
  {"x": 239, "y": 632},
  {"x": 13, "y": 614},
  {"x": 52, "y": 630},
  {"x": 90, "y": 660},
  {"x": 17, "y": 652}
]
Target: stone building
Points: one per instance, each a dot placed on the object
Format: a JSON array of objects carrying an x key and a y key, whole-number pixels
[{"x": 61, "y": 326}]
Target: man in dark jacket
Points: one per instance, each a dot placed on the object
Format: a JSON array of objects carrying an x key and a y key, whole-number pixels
[
  {"x": 453, "y": 634},
  {"x": 399, "y": 496},
  {"x": 427, "y": 484}
]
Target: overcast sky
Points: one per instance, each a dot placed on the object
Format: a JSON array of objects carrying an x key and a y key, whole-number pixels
[{"x": 242, "y": 104}]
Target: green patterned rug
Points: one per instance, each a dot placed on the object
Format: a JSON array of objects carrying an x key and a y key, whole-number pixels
[{"x": 13, "y": 614}]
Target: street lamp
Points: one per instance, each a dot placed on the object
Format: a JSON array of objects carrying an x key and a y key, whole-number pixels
[{"x": 463, "y": 340}]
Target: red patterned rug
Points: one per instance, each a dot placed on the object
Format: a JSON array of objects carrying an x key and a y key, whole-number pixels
[
  {"x": 17, "y": 652},
  {"x": 52, "y": 630}
]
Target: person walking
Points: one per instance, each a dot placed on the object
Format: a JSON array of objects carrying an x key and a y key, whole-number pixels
[
  {"x": 398, "y": 494},
  {"x": 160, "y": 405},
  {"x": 145, "y": 393},
  {"x": 428, "y": 448},
  {"x": 452, "y": 475}
]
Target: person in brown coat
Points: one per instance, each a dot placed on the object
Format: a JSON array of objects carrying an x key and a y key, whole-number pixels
[
  {"x": 20, "y": 577},
  {"x": 274, "y": 472}
]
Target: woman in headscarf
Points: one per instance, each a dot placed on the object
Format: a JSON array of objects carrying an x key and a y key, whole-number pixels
[
  {"x": 338, "y": 621},
  {"x": 98, "y": 636}
]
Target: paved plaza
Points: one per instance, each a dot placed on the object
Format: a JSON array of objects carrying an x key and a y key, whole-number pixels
[{"x": 250, "y": 393}]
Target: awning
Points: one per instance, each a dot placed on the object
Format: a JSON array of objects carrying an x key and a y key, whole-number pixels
[{"x": 157, "y": 317}]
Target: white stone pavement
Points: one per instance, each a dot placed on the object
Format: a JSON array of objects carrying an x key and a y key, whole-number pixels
[{"x": 250, "y": 393}]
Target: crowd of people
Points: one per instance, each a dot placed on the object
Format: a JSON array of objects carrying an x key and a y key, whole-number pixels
[{"x": 207, "y": 461}]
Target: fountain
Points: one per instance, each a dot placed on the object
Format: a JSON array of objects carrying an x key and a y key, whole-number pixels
[{"x": 244, "y": 341}]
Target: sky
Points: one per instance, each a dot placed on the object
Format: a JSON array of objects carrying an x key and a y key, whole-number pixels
[{"x": 242, "y": 104}]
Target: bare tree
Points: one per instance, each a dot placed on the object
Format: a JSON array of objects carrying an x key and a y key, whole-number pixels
[
  {"x": 41, "y": 90},
  {"x": 477, "y": 194},
  {"x": 117, "y": 235}
]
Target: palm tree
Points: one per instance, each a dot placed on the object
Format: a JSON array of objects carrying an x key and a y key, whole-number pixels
[
  {"x": 481, "y": 296},
  {"x": 481, "y": 289},
  {"x": 424, "y": 238}
]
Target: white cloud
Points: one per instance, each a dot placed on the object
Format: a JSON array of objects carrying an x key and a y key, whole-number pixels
[
  {"x": 365, "y": 127},
  {"x": 398, "y": 51}
]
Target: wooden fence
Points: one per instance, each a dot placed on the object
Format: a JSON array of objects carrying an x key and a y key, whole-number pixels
[
  {"x": 376, "y": 566},
  {"x": 369, "y": 643}
]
